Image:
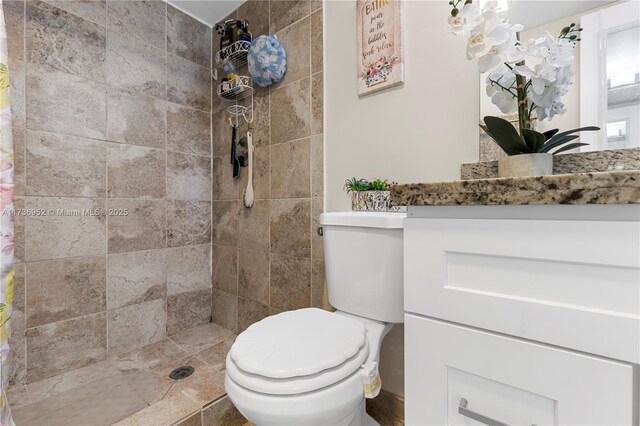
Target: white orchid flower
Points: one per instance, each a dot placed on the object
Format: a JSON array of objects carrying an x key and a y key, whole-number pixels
[
  {"x": 541, "y": 76},
  {"x": 558, "y": 52},
  {"x": 490, "y": 30},
  {"x": 511, "y": 51},
  {"x": 499, "y": 83},
  {"x": 465, "y": 20}
]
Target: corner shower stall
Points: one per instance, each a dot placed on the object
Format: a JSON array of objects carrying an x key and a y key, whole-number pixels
[{"x": 143, "y": 259}]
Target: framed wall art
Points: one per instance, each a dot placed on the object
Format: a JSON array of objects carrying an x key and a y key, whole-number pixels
[{"x": 380, "y": 46}]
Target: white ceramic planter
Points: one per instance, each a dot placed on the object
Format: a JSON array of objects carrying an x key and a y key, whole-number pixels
[{"x": 522, "y": 165}]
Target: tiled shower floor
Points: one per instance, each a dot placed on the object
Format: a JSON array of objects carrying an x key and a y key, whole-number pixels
[{"x": 134, "y": 388}]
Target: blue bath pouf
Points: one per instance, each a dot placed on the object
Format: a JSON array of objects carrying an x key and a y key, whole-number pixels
[{"x": 267, "y": 60}]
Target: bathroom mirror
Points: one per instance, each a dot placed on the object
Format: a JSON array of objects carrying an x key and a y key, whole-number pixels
[{"x": 606, "y": 84}]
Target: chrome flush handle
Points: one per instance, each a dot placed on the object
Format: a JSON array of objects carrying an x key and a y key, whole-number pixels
[
  {"x": 463, "y": 410},
  {"x": 320, "y": 231}
]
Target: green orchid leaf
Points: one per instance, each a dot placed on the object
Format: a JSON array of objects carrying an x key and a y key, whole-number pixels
[
  {"x": 549, "y": 133},
  {"x": 534, "y": 140},
  {"x": 581, "y": 129},
  {"x": 556, "y": 142},
  {"x": 570, "y": 146},
  {"x": 506, "y": 136}
]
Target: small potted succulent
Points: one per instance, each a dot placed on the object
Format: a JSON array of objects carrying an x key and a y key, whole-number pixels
[
  {"x": 535, "y": 93},
  {"x": 369, "y": 196}
]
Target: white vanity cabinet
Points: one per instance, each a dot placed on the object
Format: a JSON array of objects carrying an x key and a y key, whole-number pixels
[{"x": 522, "y": 315}]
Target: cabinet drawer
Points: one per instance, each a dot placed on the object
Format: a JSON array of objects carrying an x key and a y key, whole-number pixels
[
  {"x": 508, "y": 380},
  {"x": 569, "y": 283}
]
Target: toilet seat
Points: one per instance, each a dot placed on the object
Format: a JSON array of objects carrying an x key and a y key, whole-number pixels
[{"x": 297, "y": 351}]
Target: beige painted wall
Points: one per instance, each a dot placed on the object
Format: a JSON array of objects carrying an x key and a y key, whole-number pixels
[{"x": 419, "y": 132}]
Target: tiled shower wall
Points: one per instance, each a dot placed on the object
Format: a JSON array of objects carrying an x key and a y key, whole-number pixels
[
  {"x": 269, "y": 258},
  {"x": 111, "y": 111}
]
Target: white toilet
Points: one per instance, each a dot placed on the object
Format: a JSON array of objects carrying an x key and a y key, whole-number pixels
[{"x": 313, "y": 367}]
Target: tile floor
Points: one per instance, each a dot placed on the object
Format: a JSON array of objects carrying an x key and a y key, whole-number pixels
[{"x": 134, "y": 388}]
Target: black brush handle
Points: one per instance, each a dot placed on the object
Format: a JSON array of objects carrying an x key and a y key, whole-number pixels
[{"x": 234, "y": 146}]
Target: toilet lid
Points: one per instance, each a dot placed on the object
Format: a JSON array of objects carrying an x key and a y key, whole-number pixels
[{"x": 297, "y": 343}]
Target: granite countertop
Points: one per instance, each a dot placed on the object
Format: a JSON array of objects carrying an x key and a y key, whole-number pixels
[{"x": 581, "y": 188}]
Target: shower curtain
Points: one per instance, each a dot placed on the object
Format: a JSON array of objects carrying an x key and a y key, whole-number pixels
[{"x": 7, "y": 272}]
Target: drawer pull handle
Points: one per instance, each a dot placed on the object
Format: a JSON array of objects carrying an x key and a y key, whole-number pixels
[{"x": 463, "y": 410}]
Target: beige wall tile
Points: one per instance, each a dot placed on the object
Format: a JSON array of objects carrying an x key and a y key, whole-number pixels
[
  {"x": 66, "y": 345},
  {"x": 141, "y": 228},
  {"x": 190, "y": 269},
  {"x": 188, "y": 130},
  {"x": 225, "y": 222},
  {"x": 317, "y": 166},
  {"x": 186, "y": 310},
  {"x": 253, "y": 226},
  {"x": 93, "y": 10},
  {"x": 188, "y": 83},
  {"x": 291, "y": 227},
  {"x": 249, "y": 312},
  {"x": 135, "y": 119},
  {"x": 14, "y": 22},
  {"x": 285, "y": 12},
  {"x": 135, "y": 171},
  {"x": 253, "y": 275},
  {"x": 65, "y": 42},
  {"x": 296, "y": 41},
  {"x": 257, "y": 13},
  {"x": 290, "y": 169},
  {"x": 17, "y": 79},
  {"x": 188, "y": 38},
  {"x": 135, "y": 66},
  {"x": 65, "y": 165},
  {"x": 18, "y": 359},
  {"x": 19, "y": 236},
  {"x": 318, "y": 281},
  {"x": 220, "y": 133},
  {"x": 261, "y": 175},
  {"x": 317, "y": 40},
  {"x": 66, "y": 288},
  {"x": 144, "y": 20},
  {"x": 224, "y": 275},
  {"x": 136, "y": 277},
  {"x": 188, "y": 223},
  {"x": 317, "y": 104},
  {"x": 188, "y": 177},
  {"x": 64, "y": 230},
  {"x": 224, "y": 309},
  {"x": 57, "y": 102},
  {"x": 290, "y": 282},
  {"x": 19, "y": 317},
  {"x": 291, "y": 111},
  {"x": 261, "y": 128},
  {"x": 136, "y": 325},
  {"x": 18, "y": 396},
  {"x": 224, "y": 186},
  {"x": 19, "y": 157},
  {"x": 317, "y": 247}
]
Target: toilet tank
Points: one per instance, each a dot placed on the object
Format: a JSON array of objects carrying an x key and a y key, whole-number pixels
[{"x": 363, "y": 256}]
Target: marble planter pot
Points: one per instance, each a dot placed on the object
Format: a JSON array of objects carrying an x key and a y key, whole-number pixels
[
  {"x": 538, "y": 164},
  {"x": 372, "y": 201}
]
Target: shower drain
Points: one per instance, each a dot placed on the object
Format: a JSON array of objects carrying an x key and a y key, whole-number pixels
[{"x": 181, "y": 372}]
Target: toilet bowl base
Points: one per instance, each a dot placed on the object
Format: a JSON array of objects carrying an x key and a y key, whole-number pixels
[{"x": 342, "y": 403}]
